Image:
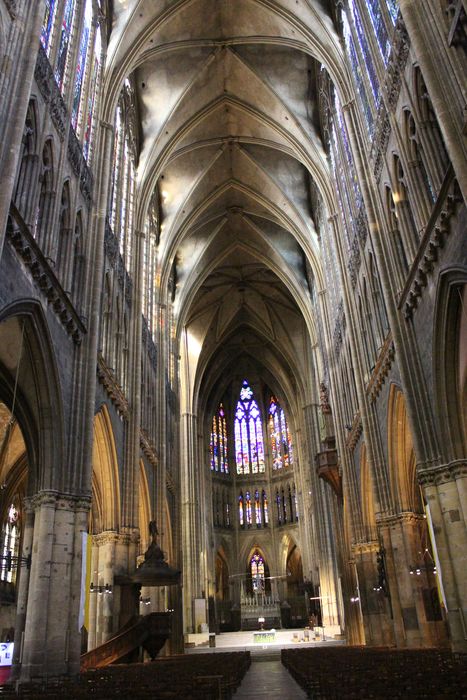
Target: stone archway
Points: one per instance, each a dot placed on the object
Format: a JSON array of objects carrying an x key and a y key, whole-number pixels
[
  {"x": 413, "y": 577},
  {"x": 102, "y": 620},
  {"x": 13, "y": 485}
]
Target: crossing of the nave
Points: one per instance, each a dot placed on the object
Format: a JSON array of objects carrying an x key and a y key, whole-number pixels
[{"x": 232, "y": 336}]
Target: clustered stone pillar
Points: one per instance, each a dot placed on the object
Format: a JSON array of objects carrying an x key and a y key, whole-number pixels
[
  {"x": 49, "y": 598},
  {"x": 445, "y": 491}
]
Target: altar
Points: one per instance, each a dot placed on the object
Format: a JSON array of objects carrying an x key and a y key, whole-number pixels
[{"x": 264, "y": 637}]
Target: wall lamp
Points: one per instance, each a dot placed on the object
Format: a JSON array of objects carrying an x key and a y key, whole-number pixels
[{"x": 100, "y": 589}]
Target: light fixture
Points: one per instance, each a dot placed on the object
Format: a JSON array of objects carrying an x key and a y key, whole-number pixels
[{"x": 107, "y": 588}]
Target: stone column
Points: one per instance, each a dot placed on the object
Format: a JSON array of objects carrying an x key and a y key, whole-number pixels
[
  {"x": 51, "y": 635},
  {"x": 92, "y": 632},
  {"x": 321, "y": 509},
  {"x": 23, "y": 588},
  {"x": 373, "y": 604},
  {"x": 445, "y": 491},
  {"x": 15, "y": 89},
  {"x": 192, "y": 545},
  {"x": 445, "y": 91}
]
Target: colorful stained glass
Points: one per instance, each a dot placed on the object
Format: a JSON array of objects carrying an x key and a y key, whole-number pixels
[
  {"x": 92, "y": 96},
  {"x": 357, "y": 73},
  {"x": 218, "y": 442},
  {"x": 265, "y": 508},
  {"x": 240, "y": 510},
  {"x": 393, "y": 9},
  {"x": 295, "y": 499},
  {"x": 249, "y": 446},
  {"x": 48, "y": 23},
  {"x": 81, "y": 65},
  {"x": 64, "y": 44},
  {"x": 370, "y": 68},
  {"x": 281, "y": 443},
  {"x": 10, "y": 543},
  {"x": 257, "y": 573},
  {"x": 279, "y": 508},
  {"x": 257, "y": 509},
  {"x": 377, "y": 20},
  {"x": 248, "y": 508}
]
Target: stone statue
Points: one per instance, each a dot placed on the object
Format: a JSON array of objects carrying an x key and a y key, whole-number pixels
[{"x": 154, "y": 553}]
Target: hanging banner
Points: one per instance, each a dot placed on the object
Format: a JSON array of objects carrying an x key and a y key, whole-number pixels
[{"x": 435, "y": 555}]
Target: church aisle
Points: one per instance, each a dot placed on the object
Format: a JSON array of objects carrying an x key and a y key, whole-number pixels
[{"x": 269, "y": 678}]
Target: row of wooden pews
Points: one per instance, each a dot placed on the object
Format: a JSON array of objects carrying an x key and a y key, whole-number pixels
[
  {"x": 186, "y": 677},
  {"x": 363, "y": 672}
]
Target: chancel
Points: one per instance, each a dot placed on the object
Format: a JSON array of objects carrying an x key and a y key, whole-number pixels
[{"x": 233, "y": 334}]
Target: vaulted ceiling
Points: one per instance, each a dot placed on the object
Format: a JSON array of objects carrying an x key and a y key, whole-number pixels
[{"x": 230, "y": 139}]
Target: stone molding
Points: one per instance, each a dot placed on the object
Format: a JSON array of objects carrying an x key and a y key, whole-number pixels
[
  {"x": 113, "y": 390},
  {"x": 45, "y": 79},
  {"x": 380, "y": 141},
  {"x": 64, "y": 501},
  {"x": 442, "y": 473},
  {"x": 365, "y": 547},
  {"x": 110, "y": 537},
  {"x": 149, "y": 344},
  {"x": 382, "y": 368},
  {"x": 355, "y": 432},
  {"x": 12, "y": 7},
  {"x": 436, "y": 231},
  {"x": 80, "y": 166},
  {"x": 27, "y": 248},
  {"x": 148, "y": 448},
  {"x": 115, "y": 259},
  {"x": 397, "y": 63},
  {"x": 406, "y": 517}
]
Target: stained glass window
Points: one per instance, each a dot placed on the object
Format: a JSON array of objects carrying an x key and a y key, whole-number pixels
[
  {"x": 218, "y": 444},
  {"x": 393, "y": 9},
  {"x": 47, "y": 24},
  {"x": 279, "y": 508},
  {"x": 281, "y": 443},
  {"x": 64, "y": 43},
  {"x": 257, "y": 509},
  {"x": 357, "y": 73},
  {"x": 248, "y": 508},
  {"x": 374, "y": 82},
  {"x": 82, "y": 62},
  {"x": 240, "y": 510},
  {"x": 257, "y": 573},
  {"x": 295, "y": 499},
  {"x": 249, "y": 447},
  {"x": 10, "y": 544},
  {"x": 377, "y": 20},
  {"x": 92, "y": 96},
  {"x": 265, "y": 508}
]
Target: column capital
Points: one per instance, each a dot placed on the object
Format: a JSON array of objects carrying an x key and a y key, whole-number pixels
[{"x": 442, "y": 473}]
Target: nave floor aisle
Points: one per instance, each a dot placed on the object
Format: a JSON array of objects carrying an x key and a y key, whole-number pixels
[{"x": 268, "y": 678}]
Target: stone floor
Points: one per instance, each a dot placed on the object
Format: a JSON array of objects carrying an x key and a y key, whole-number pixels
[{"x": 267, "y": 677}]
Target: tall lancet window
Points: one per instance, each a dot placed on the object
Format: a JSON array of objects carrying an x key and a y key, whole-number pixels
[
  {"x": 257, "y": 573},
  {"x": 48, "y": 24},
  {"x": 281, "y": 443},
  {"x": 10, "y": 544},
  {"x": 249, "y": 447},
  {"x": 218, "y": 445}
]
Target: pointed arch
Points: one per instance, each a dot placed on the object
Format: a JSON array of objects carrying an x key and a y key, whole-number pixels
[
  {"x": 450, "y": 360},
  {"x": 403, "y": 480},
  {"x": 105, "y": 480},
  {"x": 249, "y": 446},
  {"x": 144, "y": 512},
  {"x": 367, "y": 495}
]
